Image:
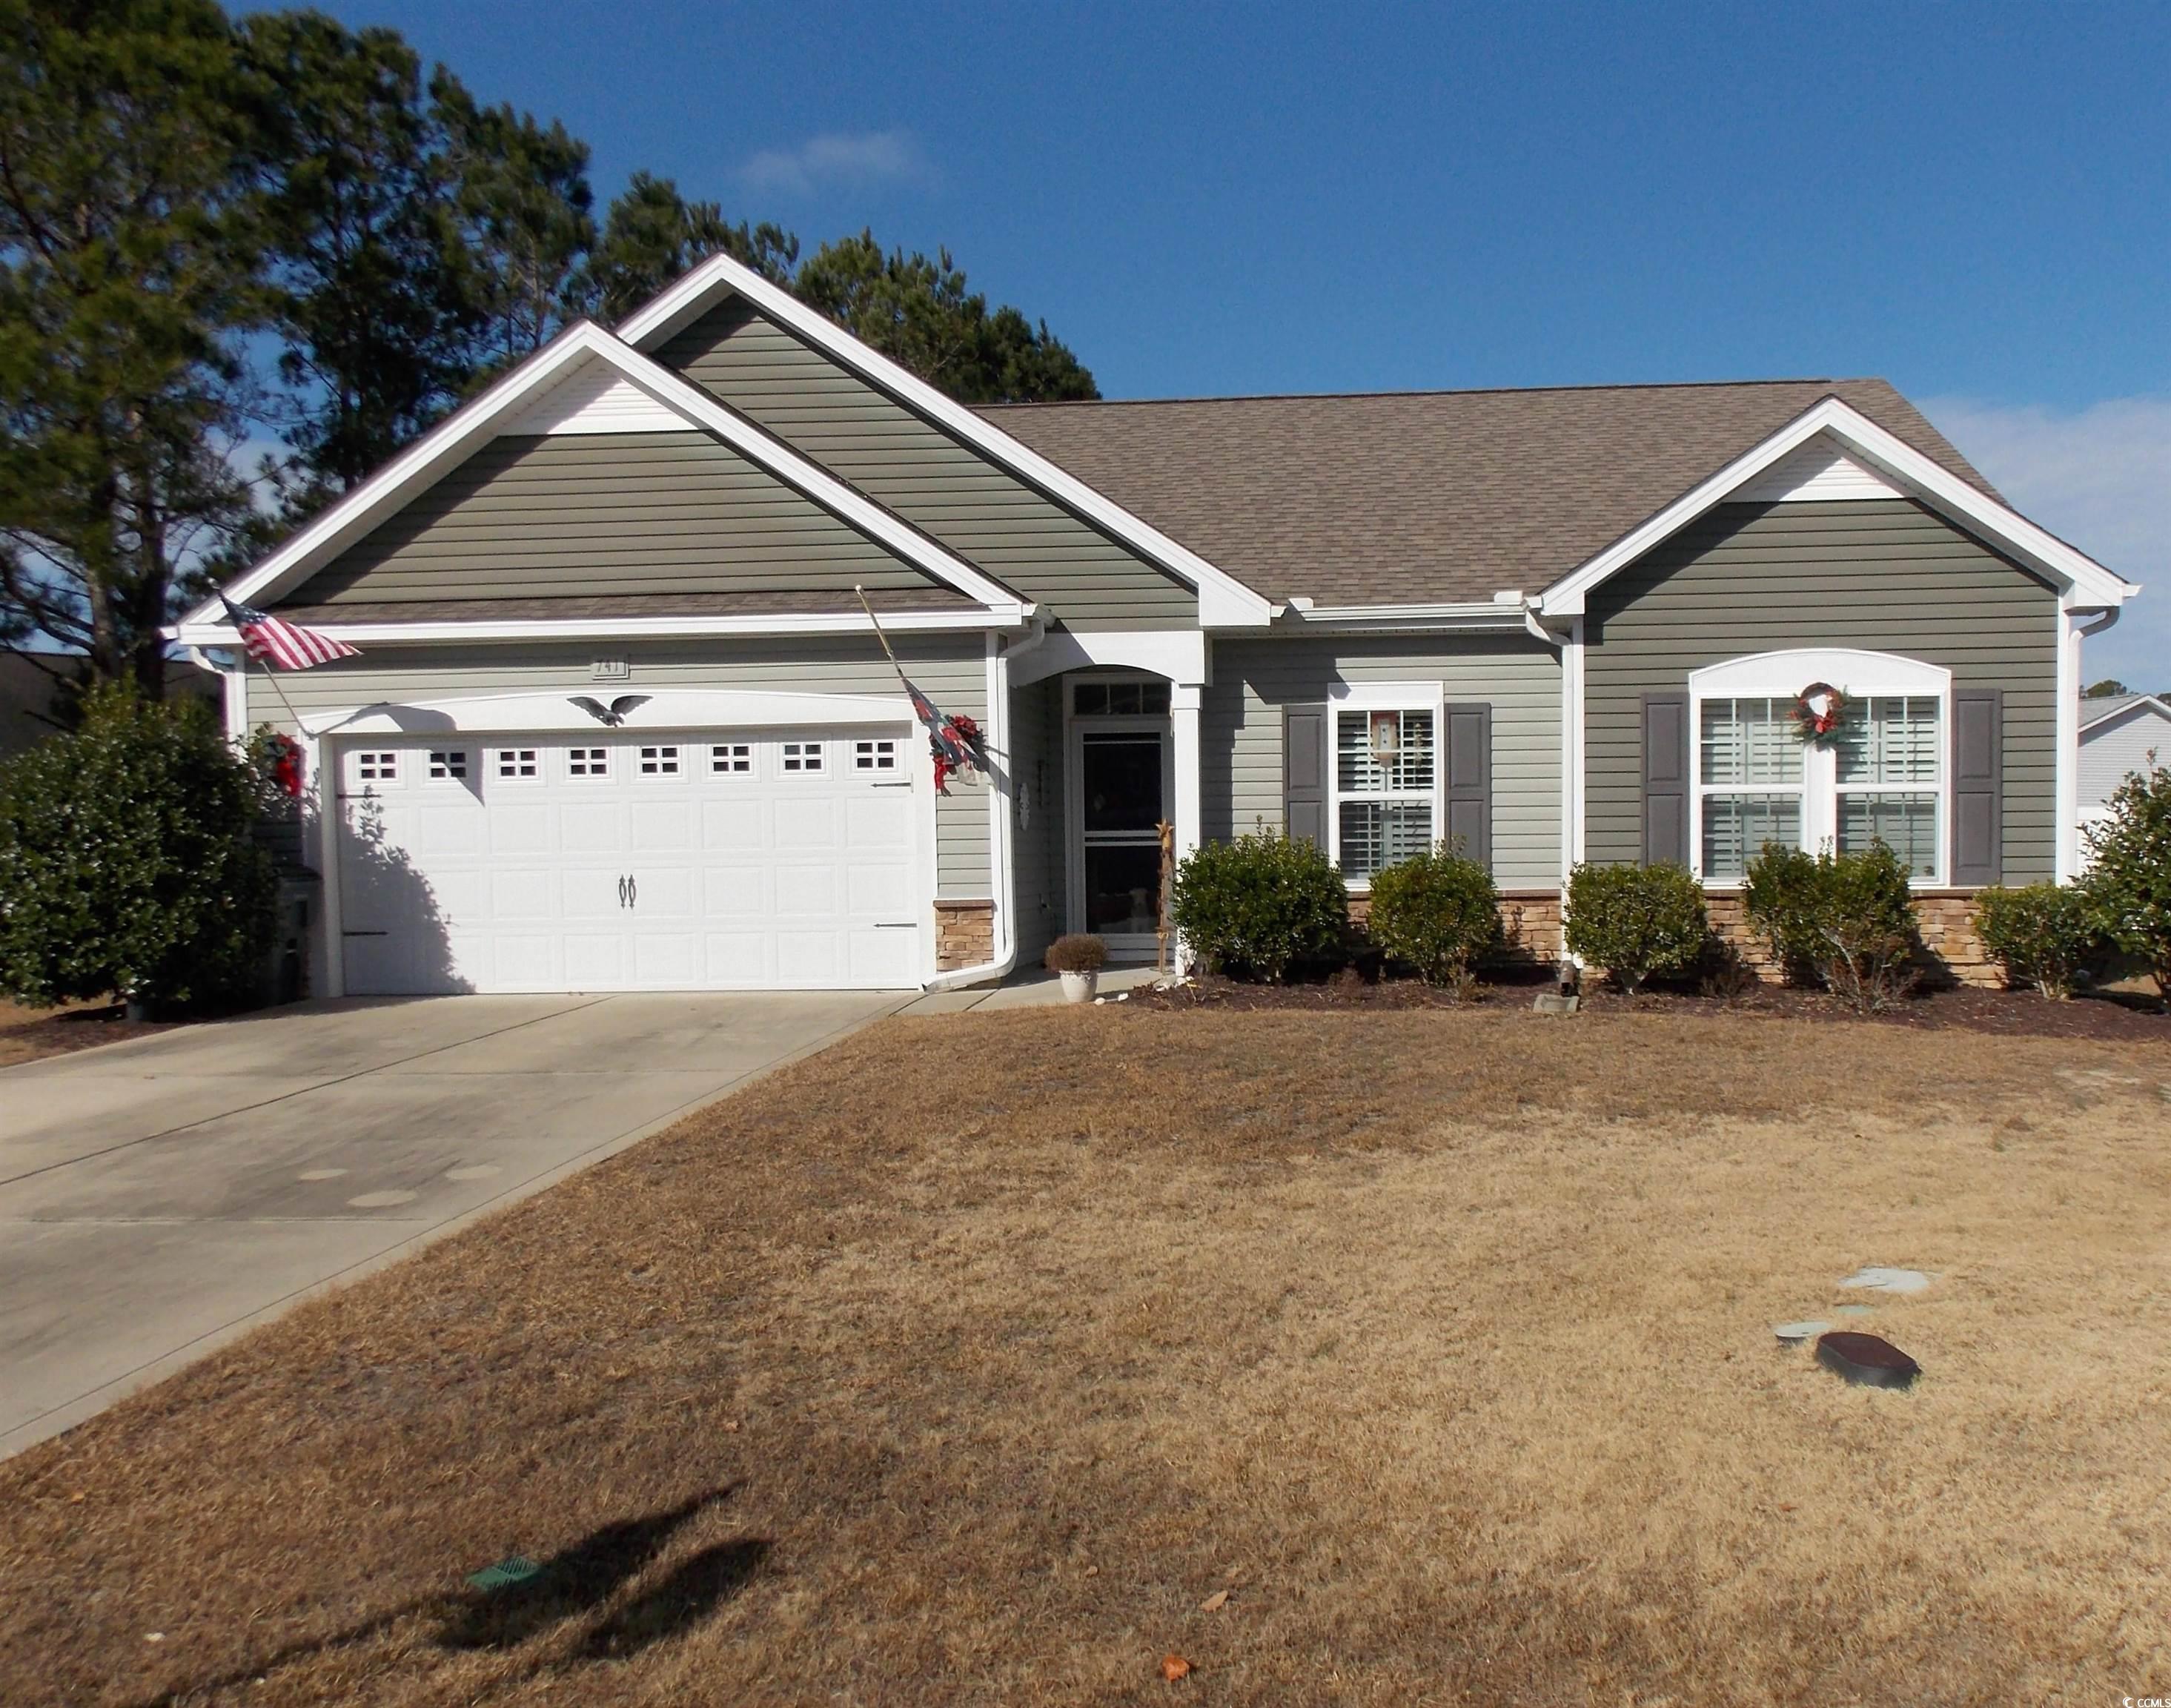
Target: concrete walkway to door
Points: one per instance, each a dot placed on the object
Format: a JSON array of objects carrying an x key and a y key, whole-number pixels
[{"x": 156, "y": 1197}]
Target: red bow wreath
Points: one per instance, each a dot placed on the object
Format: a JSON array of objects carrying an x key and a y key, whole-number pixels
[
  {"x": 955, "y": 746},
  {"x": 1812, "y": 725}
]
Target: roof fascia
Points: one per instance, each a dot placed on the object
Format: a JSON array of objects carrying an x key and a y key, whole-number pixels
[
  {"x": 1493, "y": 616},
  {"x": 1224, "y": 602},
  {"x": 448, "y": 443},
  {"x": 2083, "y": 582},
  {"x": 190, "y": 633}
]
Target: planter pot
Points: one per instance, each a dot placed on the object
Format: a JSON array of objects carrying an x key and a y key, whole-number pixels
[{"x": 1078, "y": 987}]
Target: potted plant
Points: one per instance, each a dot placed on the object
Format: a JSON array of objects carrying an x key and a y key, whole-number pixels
[{"x": 1078, "y": 959}]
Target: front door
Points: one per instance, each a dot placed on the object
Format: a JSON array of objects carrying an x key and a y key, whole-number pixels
[{"x": 1123, "y": 793}]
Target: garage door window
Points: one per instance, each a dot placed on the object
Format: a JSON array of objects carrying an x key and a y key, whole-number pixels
[
  {"x": 516, "y": 762},
  {"x": 874, "y": 756},
  {"x": 377, "y": 767},
  {"x": 659, "y": 762},
  {"x": 588, "y": 762},
  {"x": 800, "y": 756},
  {"x": 735, "y": 758},
  {"x": 448, "y": 764}
]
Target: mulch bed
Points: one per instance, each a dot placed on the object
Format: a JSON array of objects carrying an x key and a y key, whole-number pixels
[
  {"x": 2113, "y": 1016},
  {"x": 72, "y": 1029}
]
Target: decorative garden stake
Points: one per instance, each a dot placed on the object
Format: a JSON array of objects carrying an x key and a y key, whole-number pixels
[{"x": 1819, "y": 709}]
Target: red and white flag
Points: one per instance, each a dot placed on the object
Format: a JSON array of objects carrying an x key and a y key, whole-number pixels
[{"x": 271, "y": 640}]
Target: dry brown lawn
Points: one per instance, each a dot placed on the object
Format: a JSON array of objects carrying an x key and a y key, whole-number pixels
[{"x": 964, "y": 1363}]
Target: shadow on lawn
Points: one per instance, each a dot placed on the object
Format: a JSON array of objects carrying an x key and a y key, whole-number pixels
[{"x": 577, "y": 1580}]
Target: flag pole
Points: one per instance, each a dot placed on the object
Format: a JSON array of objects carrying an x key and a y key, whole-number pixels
[
  {"x": 272, "y": 676},
  {"x": 875, "y": 621}
]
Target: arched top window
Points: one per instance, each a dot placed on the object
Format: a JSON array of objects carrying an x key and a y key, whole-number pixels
[{"x": 1882, "y": 774}]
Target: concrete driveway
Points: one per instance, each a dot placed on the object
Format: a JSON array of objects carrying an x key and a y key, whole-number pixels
[{"x": 156, "y": 1197}]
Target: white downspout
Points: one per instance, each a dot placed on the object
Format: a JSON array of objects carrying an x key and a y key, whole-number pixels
[
  {"x": 2067, "y": 773},
  {"x": 1001, "y": 806}
]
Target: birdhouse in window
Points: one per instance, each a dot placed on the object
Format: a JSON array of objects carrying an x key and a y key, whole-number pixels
[{"x": 1386, "y": 736}]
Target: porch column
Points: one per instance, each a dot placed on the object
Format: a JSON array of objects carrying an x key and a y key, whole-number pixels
[{"x": 1183, "y": 698}]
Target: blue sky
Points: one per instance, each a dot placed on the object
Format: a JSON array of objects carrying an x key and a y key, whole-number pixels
[{"x": 1973, "y": 201}]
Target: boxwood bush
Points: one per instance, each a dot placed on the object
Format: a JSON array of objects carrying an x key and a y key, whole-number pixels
[
  {"x": 128, "y": 864},
  {"x": 1438, "y": 912},
  {"x": 1255, "y": 907},
  {"x": 2043, "y": 934},
  {"x": 1636, "y": 921},
  {"x": 2128, "y": 882},
  {"x": 1843, "y": 919}
]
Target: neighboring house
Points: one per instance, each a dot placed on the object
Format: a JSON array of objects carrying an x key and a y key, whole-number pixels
[
  {"x": 2120, "y": 734},
  {"x": 30, "y": 680},
  {"x": 1557, "y": 625}
]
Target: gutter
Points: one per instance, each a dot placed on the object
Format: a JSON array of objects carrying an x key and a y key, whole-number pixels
[
  {"x": 1001, "y": 809},
  {"x": 1503, "y": 611}
]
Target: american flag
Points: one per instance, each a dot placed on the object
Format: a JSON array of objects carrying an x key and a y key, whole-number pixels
[{"x": 271, "y": 639}]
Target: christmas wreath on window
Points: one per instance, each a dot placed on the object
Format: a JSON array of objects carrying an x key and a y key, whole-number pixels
[{"x": 1819, "y": 709}]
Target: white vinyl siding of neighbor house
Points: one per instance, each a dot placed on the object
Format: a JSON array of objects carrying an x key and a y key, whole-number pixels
[
  {"x": 982, "y": 512},
  {"x": 1881, "y": 575},
  {"x": 1240, "y": 726},
  {"x": 953, "y": 674},
  {"x": 2123, "y": 742}
]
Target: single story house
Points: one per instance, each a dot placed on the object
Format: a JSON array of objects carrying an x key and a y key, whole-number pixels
[
  {"x": 2120, "y": 734},
  {"x": 1558, "y": 625}
]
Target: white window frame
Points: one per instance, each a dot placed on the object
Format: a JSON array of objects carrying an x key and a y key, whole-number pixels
[
  {"x": 589, "y": 776},
  {"x": 1383, "y": 697},
  {"x": 446, "y": 765},
  {"x": 793, "y": 764},
  {"x": 652, "y": 758},
  {"x": 724, "y": 757},
  {"x": 536, "y": 761},
  {"x": 1861, "y": 676}
]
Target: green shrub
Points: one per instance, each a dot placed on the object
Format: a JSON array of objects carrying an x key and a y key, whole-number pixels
[
  {"x": 2042, "y": 935},
  {"x": 1438, "y": 912},
  {"x": 128, "y": 863},
  {"x": 1843, "y": 918},
  {"x": 1256, "y": 906},
  {"x": 2129, "y": 881},
  {"x": 1636, "y": 921}
]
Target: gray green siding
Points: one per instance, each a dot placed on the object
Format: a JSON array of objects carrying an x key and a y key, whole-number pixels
[
  {"x": 1881, "y": 574},
  {"x": 590, "y": 513},
  {"x": 952, "y": 673},
  {"x": 1035, "y": 764},
  {"x": 1240, "y": 724},
  {"x": 978, "y": 510}
]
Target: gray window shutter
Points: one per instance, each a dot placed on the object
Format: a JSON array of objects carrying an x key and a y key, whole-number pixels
[
  {"x": 1304, "y": 774},
  {"x": 1468, "y": 751},
  {"x": 1665, "y": 779},
  {"x": 1978, "y": 785}
]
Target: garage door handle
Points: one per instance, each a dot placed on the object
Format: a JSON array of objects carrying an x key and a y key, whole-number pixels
[
  {"x": 621, "y": 891},
  {"x": 897, "y": 925},
  {"x": 632, "y": 892},
  {"x": 902, "y": 783}
]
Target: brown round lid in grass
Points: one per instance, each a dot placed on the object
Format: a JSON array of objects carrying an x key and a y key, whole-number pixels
[{"x": 1867, "y": 1358}]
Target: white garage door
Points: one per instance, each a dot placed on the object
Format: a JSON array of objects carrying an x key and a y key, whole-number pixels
[{"x": 701, "y": 860}]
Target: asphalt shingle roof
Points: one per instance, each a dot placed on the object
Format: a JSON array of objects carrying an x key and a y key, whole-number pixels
[{"x": 1412, "y": 497}]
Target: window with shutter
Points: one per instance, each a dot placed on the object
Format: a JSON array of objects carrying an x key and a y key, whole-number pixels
[{"x": 1304, "y": 774}]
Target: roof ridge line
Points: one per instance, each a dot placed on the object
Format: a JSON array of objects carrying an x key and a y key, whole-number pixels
[{"x": 1442, "y": 391}]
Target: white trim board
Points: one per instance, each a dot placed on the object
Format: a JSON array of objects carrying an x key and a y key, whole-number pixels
[
  {"x": 2080, "y": 579},
  {"x": 1224, "y": 602},
  {"x": 662, "y": 708},
  {"x": 452, "y": 441},
  {"x": 219, "y": 633}
]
